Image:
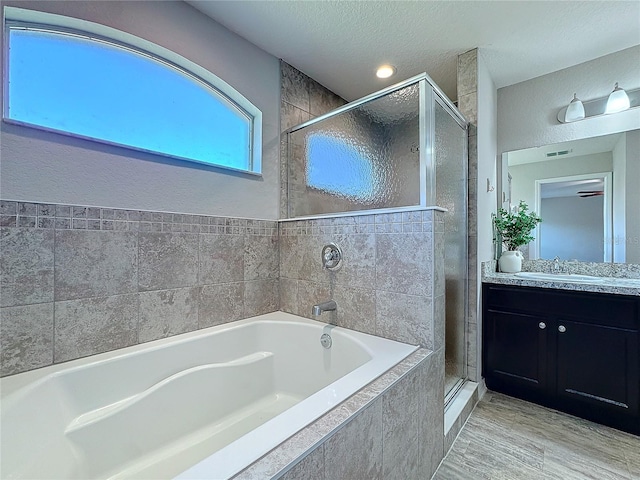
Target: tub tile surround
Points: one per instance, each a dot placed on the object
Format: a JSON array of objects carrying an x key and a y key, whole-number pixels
[
  {"x": 365, "y": 436},
  {"x": 387, "y": 273},
  {"x": 77, "y": 280},
  {"x": 355, "y": 451},
  {"x": 88, "y": 326},
  {"x": 26, "y": 337},
  {"x": 27, "y": 272}
]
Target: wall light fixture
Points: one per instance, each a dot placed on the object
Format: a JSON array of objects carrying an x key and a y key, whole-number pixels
[
  {"x": 618, "y": 101},
  {"x": 575, "y": 110}
]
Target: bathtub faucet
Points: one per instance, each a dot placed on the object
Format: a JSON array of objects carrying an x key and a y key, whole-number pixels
[{"x": 327, "y": 306}]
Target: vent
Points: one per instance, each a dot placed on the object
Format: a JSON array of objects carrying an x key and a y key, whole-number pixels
[{"x": 557, "y": 154}]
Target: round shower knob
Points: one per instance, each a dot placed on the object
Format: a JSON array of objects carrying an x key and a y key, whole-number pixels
[{"x": 331, "y": 256}]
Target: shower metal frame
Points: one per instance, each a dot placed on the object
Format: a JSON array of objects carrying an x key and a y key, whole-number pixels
[{"x": 429, "y": 93}]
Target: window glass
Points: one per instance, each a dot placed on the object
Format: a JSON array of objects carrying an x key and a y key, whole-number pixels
[{"x": 108, "y": 92}]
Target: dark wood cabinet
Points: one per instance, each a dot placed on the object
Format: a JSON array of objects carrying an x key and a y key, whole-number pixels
[
  {"x": 573, "y": 351},
  {"x": 518, "y": 353}
]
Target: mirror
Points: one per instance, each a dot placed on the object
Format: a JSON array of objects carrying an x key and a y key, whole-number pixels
[{"x": 586, "y": 191}]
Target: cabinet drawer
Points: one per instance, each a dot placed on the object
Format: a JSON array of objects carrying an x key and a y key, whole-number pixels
[{"x": 604, "y": 309}]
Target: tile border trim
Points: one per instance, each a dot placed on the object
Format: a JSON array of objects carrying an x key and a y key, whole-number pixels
[{"x": 78, "y": 217}]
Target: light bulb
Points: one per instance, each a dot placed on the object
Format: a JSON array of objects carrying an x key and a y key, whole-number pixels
[
  {"x": 575, "y": 110},
  {"x": 618, "y": 100},
  {"x": 385, "y": 71}
]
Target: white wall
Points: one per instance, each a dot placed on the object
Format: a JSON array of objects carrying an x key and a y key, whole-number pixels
[
  {"x": 527, "y": 111},
  {"x": 572, "y": 228},
  {"x": 487, "y": 158},
  {"x": 619, "y": 156},
  {"x": 633, "y": 197},
  {"x": 46, "y": 167},
  {"x": 523, "y": 184}
]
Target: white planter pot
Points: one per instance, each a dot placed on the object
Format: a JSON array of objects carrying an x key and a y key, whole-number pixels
[{"x": 510, "y": 261}]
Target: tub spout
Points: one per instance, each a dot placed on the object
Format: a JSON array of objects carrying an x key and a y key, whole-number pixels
[{"x": 317, "y": 310}]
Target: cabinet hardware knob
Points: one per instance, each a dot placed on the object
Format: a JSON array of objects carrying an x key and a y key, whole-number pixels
[
  {"x": 542, "y": 325},
  {"x": 562, "y": 329}
]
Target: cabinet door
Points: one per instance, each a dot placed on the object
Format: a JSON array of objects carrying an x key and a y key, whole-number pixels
[
  {"x": 515, "y": 352},
  {"x": 597, "y": 369}
]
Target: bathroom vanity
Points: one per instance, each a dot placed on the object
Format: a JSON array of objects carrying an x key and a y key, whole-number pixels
[{"x": 572, "y": 346}]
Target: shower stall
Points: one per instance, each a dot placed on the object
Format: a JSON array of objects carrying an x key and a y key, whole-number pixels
[{"x": 403, "y": 148}]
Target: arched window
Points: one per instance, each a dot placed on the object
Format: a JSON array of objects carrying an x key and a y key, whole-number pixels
[{"x": 82, "y": 84}]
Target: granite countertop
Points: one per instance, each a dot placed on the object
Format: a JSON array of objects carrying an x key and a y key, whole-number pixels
[{"x": 620, "y": 286}]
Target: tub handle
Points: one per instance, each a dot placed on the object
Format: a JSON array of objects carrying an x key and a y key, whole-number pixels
[{"x": 331, "y": 256}]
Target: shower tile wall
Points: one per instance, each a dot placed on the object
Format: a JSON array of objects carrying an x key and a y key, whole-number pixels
[
  {"x": 77, "y": 281},
  {"x": 390, "y": 283},
  {"x": 381, "y": 280},
  {"x": 468, "y": 105},
  {"x": 301, "y": 99}
]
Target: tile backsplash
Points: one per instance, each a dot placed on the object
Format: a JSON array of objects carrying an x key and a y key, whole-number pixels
[
  {"x": 606, "y": 269},
  {"x": 78, "y": 281},
  {"x": 598, "y": 269}
]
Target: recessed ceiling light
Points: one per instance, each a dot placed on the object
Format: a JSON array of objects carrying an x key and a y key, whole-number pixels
[{"x": 385, "y": 71}]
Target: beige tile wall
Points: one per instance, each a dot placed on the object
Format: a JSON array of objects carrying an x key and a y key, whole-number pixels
[
  {"x": 301, "y": 99},
  {"x": 77, "y": 281},
  {"x": 390, "y": 284}
]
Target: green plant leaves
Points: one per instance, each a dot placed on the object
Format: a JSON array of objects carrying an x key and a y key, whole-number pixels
[{"x": 515, "y": 228}]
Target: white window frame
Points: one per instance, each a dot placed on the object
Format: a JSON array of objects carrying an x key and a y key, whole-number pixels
[{"x": 19, "y": 17}]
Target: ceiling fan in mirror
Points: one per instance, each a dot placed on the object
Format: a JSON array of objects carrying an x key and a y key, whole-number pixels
[{"x": 590, "y": 193}]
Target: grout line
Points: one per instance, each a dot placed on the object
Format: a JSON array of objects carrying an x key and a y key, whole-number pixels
[{"x": 53, "y": 330}]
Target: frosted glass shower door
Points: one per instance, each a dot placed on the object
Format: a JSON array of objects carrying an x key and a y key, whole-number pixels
[
  {"x": 364, "y": 158},
  {"x": 451, "y": 193}
]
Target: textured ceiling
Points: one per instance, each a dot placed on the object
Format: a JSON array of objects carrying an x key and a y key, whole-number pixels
[{"x": 340, "y": 43}]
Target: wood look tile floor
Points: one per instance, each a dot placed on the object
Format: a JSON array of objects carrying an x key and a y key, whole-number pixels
[{"x": 510, "y": 439}]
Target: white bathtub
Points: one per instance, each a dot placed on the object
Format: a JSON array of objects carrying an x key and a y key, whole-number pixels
[{"x": 200, "y": 405}]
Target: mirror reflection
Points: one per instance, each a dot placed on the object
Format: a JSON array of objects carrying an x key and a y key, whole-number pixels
[{"x": 587, "y": 193}]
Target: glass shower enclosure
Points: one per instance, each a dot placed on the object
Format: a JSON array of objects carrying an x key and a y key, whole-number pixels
[{"x": 402, "y": 148}]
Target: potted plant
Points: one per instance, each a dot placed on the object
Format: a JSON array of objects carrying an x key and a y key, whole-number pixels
[{"x": 514, "y": 229}]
